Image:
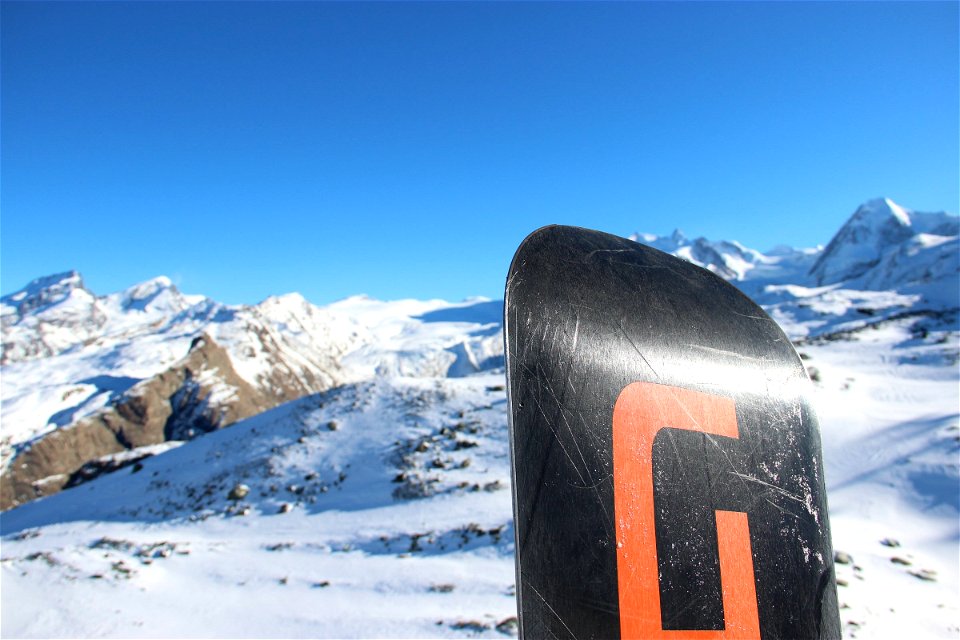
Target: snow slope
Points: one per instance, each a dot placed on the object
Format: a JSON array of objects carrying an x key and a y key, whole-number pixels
[
  {"x": 887, "y": 397},
  {"x": 381, "y": 506},
  {"x": 378, "y": 509}
]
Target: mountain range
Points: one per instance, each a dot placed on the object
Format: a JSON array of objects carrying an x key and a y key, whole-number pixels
[
  {"x": 365, "y": 466},
  {"x": 88, "y": 377}
]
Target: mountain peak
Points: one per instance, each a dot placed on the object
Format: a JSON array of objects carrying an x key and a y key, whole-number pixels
[
  {"x": 148, "y": 288},
  {"x": 875, "y": 231},
  {"x": 879, "y": 246},
  {"x": 150, "y": 293},
  {"x": 880, "y": 210},
  {"x": 43, "y": 292},
  {"x": 68, "y": 279}
]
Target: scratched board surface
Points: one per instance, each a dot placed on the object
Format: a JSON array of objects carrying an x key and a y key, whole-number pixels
[{"x": 664, "y": 451}]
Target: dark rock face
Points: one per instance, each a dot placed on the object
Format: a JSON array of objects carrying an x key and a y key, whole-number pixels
[
  {"x": 200, "y": 393},
  {"x": 107, "y": 464}
]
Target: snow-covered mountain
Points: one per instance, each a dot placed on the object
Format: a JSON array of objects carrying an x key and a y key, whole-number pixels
[
  {"x": 87, "y": 378},
  {"x": 882, "y": 247},
  {"x": 885, "y": 246},
  {"x": 373, "y": 499},
  {"x": 732, "y": 260}
]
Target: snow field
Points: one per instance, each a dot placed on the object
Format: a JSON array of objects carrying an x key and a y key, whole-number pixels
[
  {"x": 249, "y": 584},
  {"x": 319, "y": 546},
  {"x": 887, "y": 404},
  {"x": 891, "y": 441}
]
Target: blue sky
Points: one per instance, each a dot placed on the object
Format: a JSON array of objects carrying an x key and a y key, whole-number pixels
[{"x": 404, "y": 150}]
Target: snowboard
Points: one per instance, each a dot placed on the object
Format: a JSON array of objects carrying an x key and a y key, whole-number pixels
[{"x": 667, "y": 469}]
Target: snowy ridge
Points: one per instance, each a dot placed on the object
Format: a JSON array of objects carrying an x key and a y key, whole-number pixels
[
  {"x": 41, "y": 293},
  {"x": 733, "y": 261},
  {"x": 378, "y": 504},
  {"x": 72, "y": 357},
  {"x": 884, "y": 246},
  {"x": 48, "y": 316}
]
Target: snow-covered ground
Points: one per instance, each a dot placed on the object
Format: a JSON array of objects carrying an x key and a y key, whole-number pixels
[
  {"x": 376, "y": 510},
  {"x": 888, "y": 405},
  {"x": 381, "y": 506},
  {"x": 388, "y": 534}
]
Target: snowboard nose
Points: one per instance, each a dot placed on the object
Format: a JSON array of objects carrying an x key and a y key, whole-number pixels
[{"x": 666, "y": 459}]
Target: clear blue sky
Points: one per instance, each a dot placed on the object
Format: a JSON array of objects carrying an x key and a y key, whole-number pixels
[{"x": 404, "y": 150}]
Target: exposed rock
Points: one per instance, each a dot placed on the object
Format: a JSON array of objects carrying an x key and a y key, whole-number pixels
[
  {"x": 200, "y": 393},
  {"x": 496, "y": 485},
  {"x": 238, "y": 492},
  {"x": 509, "y": 626},
  {"x": 927, "y": 575},
  {"x": 107, "y": 464}
]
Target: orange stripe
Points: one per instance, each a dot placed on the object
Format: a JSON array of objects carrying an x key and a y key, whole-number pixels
[{"x": 641, "y": 410}]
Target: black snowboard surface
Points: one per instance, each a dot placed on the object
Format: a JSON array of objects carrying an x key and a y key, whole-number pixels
[{"x": 667, "y": 470}]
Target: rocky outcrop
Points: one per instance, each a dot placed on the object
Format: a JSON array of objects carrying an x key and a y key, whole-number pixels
[{"x": 200, "y": 393}]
